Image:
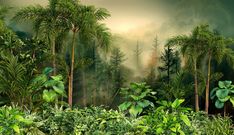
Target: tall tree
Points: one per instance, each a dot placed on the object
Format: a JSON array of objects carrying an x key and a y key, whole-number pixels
[
  {"x": 138, "y": 52},
  {"x": 171, "y": 62},
  {"x": 216, "y": 48},
  {"x": 191, "y": 47},
  {"x": 80, "y": 19},
  {"x": 47, "y": 23},
  {"x": 117, "y": 58}
]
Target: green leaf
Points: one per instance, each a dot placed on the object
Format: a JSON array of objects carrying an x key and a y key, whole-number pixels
[
  {"x": 173, "y": 129},
  {"x": 136, "y": 98},
  {"x": 47, "y": 70},
  {"x": 177, "y": 103},
  {"x": 135, "y": 110},
  {"x": 49, "y": 96},
  {"x": 50, "y": 83},
  {"x": 124, "y": 106},
  {"x": 227, "y": 83},
  {"x": 159, "y": 130},
  {"x": 57, "y": 77},
  {"x": 219, "y": 104},
  {"x": 222, "y": 93},
  {"x": 232, "y": 101},
  {"x": 143, "y": 103},
  {"x": 224, "y": 99},
  {"x": 19, "y": 118},
  {"x": 221, "y": 84},
  {"x": 185, "y": 119},
  {"x": 181, "y": 132},
  {"x": 58, "y": 90},
  {"x": 40, "y": 79},
  {"x": 213, "y": 93},
  {"x": 16, "y": 128}
]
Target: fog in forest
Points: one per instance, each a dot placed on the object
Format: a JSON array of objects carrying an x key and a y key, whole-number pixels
[{"x": 140, "y": 21}]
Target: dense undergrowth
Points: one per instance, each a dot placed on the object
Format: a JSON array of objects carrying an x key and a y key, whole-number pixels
[{"x": 100, "y": 121}]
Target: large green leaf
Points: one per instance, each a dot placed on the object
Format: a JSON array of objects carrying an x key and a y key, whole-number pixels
[
  {"x": 224, "y": 99},
  {"x": 16, "y": 128},
  {"x": 57, "y": 77},
  {"x": 185, "y": 119},
  {"x": 135, "y": 110},
  {"x": 49, "y": 96},
  {"x": 143, "y": 103},
  {"x": 221, "y": 84},
  {"x": 213, "y": 93},
  {"x": 47, "y": 70},
  {"x": 222, "y": 93},
  {"x": 124, "y": 106},
  {"x": 177, "y": 103},
  {"x": 219, "y": 104},
  {"x": 232, "y": 101}
]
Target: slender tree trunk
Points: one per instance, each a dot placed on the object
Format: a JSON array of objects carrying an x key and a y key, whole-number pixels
[
  {"x": 225, "y": 109},
  {"x": 196, "y": 87},
  {"x": 208, "y": 84},
  {"x": 168, "y": 68},
  {"x": 54, "y": 57},
  {"x": 70, "y": 89},
  {"x": 84, "y": 89}
]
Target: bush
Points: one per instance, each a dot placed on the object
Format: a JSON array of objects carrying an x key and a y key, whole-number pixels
[
  {"x": 94, "y": 120},
  {"x": 213, "y": 125}
]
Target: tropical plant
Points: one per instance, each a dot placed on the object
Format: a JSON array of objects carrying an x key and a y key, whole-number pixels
[
  {"x": 217, "y": 48},
  {"x": 191, "y": 47},
  {"x": 45, "y": 20},
  {"x": 51, "y": 86},
  {"x": 136, "y": 98},
  {"x": 222, "y": 94},
  {"x": 82, "y": 20},
  {"x": 203, "y": 124},
  {"x": 12, "y": 121},
  {"x": 169, "y": 118}
]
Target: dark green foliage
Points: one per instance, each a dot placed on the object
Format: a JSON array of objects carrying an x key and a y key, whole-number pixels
[
  {"x": 205, "y": 125},
  {"x": 171, "y": 63},
  {"x": 169, "y": 118},
  {"x": 223, "y": 93},
  {"x": 116, "y": 61},
  {"x": 13, "y": 121},
  {"x": 136, "y": 98}
]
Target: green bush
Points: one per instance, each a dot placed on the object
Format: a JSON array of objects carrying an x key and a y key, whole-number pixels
[
  {"x": 169, "y": 118},
  {"x": 94, "y": 120},
  {"x": 136, "y": 98},
  {"x": 14, "y": 121},
  {"x": 213, "y": 125}
]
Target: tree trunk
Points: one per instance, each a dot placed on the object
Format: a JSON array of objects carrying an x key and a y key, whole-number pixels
[
  {"x": 195, "y": 87},
  {"x": 84, "y": 89},
  {"x": 54, "y": 57},
  {"x": 225, "y": 109},
  {"x": 70, "y": 89},
  {"x": 168, "y": 68},
  {"x": 208, "y": 85}
]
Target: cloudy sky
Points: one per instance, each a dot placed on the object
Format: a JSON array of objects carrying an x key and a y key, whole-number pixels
[{"x": 142, "y": 20}]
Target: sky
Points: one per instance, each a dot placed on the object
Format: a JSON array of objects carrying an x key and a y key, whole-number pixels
[{"x": 142, "y": 20}]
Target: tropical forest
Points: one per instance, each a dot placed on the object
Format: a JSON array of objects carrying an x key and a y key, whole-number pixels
[{"x": 116, "y": 67}]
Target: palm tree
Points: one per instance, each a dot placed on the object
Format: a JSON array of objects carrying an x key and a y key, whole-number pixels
[
  {"x": 47, "y": 23},
  {"x": 191, "y": 47},
  {"x": 216, "y": 48},
  {"x": 83, "y": 20}
]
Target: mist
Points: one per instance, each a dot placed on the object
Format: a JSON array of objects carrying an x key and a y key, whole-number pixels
[{"x": 140, "y": 20}]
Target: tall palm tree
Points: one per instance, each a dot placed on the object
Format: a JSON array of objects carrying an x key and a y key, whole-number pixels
[
  {"x": 191, "y": 47},
  {"x": 46, "y": 23},
  {"x": 81, "y": 19},
  {"x": 216, "y": 48}
]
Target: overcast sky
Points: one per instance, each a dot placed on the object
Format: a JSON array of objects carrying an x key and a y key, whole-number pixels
[{"x": 141, "y": 20}]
